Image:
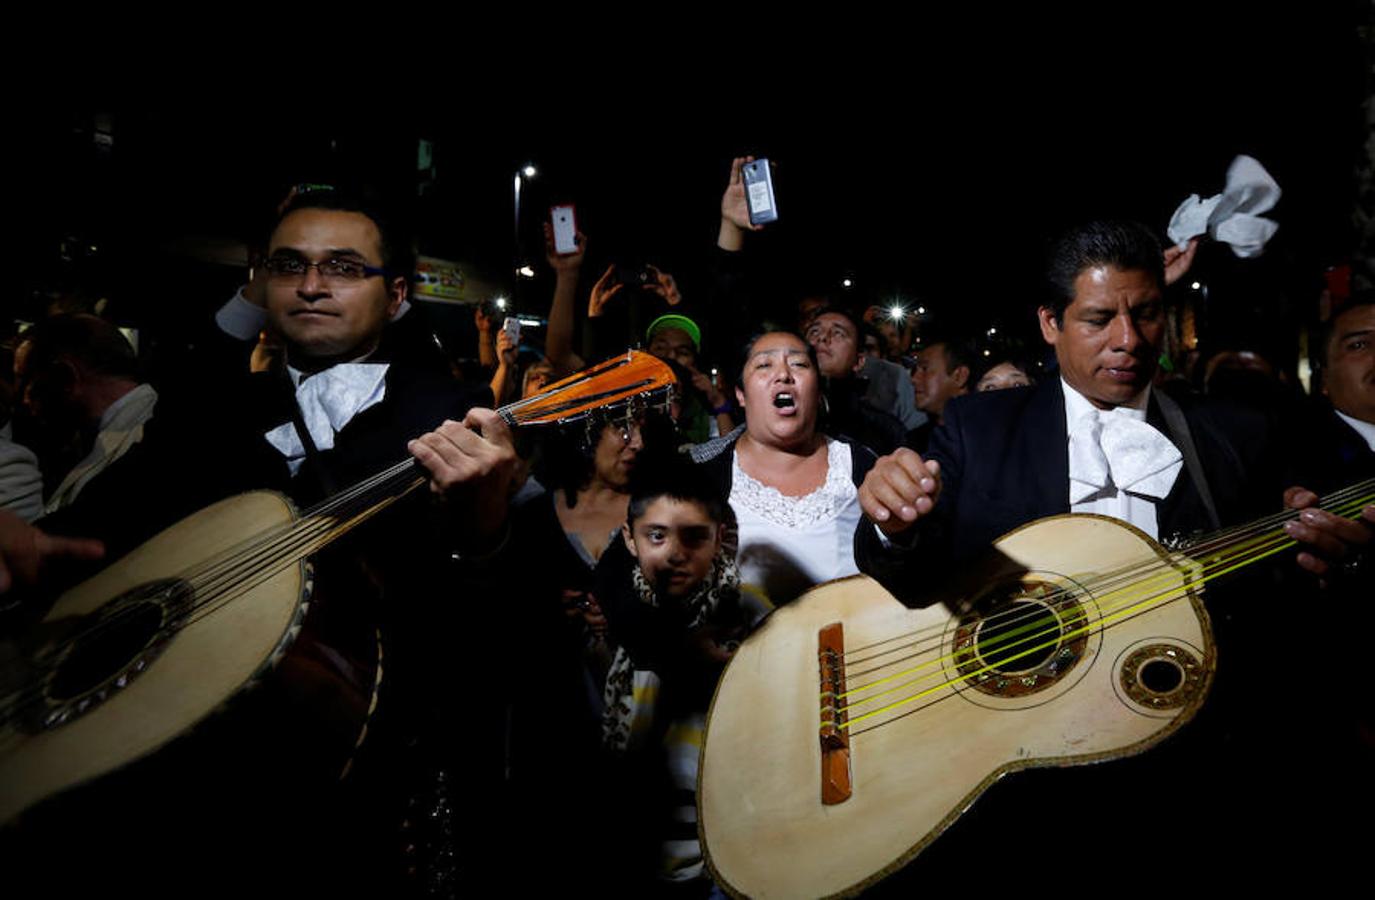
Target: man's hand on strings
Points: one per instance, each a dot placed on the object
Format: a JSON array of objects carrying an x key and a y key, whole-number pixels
[
  {"x": 471, "y": 465},
  {"x": 1327, "y": 538},
  {"x": 26, "y": 551},
  {"x": 900, "y": 489}
]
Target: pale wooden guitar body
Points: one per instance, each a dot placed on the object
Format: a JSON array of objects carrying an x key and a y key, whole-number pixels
[
  {"x": 765, "y": 829},
  {"x": 163, "y": 688}
]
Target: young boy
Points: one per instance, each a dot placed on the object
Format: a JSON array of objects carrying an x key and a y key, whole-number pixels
[{"x": 676, "y": 612}]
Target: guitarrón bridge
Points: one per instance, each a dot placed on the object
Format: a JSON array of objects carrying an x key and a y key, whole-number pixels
[{"x": 835, "y": 742}]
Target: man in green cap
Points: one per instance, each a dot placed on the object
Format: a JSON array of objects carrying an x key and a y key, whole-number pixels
[{"x": 677, "y": 339}]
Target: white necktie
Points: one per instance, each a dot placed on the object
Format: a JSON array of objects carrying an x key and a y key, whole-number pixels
[
  {"x": 329, "y": 400},
  {"x": 1111, "y": 447}
]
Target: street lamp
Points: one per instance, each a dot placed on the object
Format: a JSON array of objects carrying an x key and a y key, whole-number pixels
[{"x": 527, "y": 171}]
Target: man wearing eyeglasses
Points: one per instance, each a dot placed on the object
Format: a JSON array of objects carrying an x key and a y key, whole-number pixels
[
  {"x": 334, "y": 279},
  {"x": 327, "y": 299},
  {"x": 350, "y": 400}
]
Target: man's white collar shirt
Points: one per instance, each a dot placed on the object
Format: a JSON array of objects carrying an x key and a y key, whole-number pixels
[{"x": 1119, "y": 465}]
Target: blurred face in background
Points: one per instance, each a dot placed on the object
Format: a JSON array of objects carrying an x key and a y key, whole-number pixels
[
  {"x": 934, "y": 382},
  {"x": 836, "y": 342},
  {"x": 1002, "y": 376},
  {"x": 1349, "y": 381},
  {"x": 674, "y": 344}
]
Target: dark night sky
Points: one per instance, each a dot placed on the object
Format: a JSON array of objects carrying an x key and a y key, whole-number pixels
[{"x": 931, "y": 164}]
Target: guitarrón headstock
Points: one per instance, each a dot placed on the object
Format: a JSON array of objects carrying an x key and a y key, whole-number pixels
[{"x": 633, "y": 379}]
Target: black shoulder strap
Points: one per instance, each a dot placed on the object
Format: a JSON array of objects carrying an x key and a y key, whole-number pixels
[
  {"x": 1183, "y": 439},
  {"x": 313, "y": 461}
]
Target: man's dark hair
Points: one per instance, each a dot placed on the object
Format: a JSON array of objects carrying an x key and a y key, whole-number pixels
[
  {"x": 849, "y": 313},
  {"x": 1124, "y": 245},
  {"x": 959, "y": 351},
  {"x": 92, "y": 343},
  {"x": 396, "y": 254},
  {"x": 677, "y": 478}
]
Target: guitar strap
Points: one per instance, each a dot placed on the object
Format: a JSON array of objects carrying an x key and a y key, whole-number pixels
[
  {"x": 313, "y": 461},
  {"x": 1183, "y": 439}
]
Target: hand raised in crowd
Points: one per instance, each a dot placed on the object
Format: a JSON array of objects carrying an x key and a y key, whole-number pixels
[
  {"x": 664, "y": 285},
  {"x": 602, "y": 292},
  {"x": 735, "y": 212},
  {"x": 471, "y": 465},
  {"x": 709, "y": 388},
  {"x": 25, "y": 551},
  {"x": 1177, "y": 262},
  {"x": 564, "y": 262},
  {"x": 900, "y": 489},
  {"x": 1329, "y": 538},
  {"x": 506, "y": 348},
  {"x": 483, "y": 318}
]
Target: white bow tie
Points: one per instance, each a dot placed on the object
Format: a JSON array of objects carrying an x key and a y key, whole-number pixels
[
  {"x": 1112, "y": 447},
  {"x": 329, "y": 400}
]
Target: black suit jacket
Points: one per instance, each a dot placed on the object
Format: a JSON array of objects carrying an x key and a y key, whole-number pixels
[{"x": 1004, "y": 459}]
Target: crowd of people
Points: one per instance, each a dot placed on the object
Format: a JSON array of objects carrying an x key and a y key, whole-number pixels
[{"x": 556, "y": 606}]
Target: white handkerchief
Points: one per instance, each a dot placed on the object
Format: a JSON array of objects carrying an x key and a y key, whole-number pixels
[
  {"x": 329, "y": 400},
  {"x": 1113, "y": 447},
  {"x": 1233, "y": 216}
]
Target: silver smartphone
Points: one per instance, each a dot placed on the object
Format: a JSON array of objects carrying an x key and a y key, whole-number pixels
[{"x": 759, "y": 195}]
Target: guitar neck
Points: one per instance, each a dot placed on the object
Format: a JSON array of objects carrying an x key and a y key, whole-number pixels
[{"x": 1233, "y": 549}]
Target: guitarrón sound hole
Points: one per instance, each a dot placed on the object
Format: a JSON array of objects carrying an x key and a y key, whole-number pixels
[
  {"x": 109, "y": 649},
  {"x": 1161, "y": 677},
  {"x": 1018, "y": 637}
]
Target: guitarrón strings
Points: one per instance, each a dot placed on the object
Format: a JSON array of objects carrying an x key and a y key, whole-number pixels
[
  {"x": 243, "y": 567},
  {"x": 1126, "y": 594},
  {"x": 239, "y": 569}
]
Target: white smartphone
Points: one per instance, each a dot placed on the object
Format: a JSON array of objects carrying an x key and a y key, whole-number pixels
[
  {"x": 565, "y": 229},
  {"x": 512, "y": 327}
]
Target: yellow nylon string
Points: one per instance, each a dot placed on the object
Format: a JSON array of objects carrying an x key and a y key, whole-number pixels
[
  {"x": 1233, "y": 562},
  {"x": 1348, "y": 507},
  {"x": 1134, "y": 589},
  {"x": 1223, "y": 562}
]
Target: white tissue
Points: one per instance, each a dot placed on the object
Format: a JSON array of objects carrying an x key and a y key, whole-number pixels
[{"x": 1233, "y": 216}]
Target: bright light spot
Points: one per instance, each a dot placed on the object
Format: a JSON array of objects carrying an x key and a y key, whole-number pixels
[
  {"x": 526, "y": 271},
  {"x": 529, "y": 171},
  {"x": 895, "y": 313},
  {"x": 845, "y": 282},
  {"x": 1197, "y": 285},
  {"x": 501, "y": 303},
  {"x": 992, "y": 331},
  {"x": 987, "y": 353},
  {"x": 921, "y": 310}
]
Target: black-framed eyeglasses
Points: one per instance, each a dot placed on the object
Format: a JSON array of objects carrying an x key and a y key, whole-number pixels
[{"x": 333, "y": 269}]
